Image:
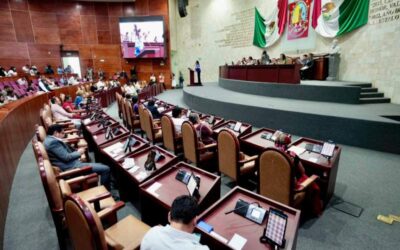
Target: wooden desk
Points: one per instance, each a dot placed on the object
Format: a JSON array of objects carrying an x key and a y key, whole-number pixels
[
  {"x": 227, "y": 225},
  {"x": 156, "y": 205},
  {"x": 315, "y": 163},
  {"x": 253, "y": 143},
  {"x": 114, "y": 149},
  {"x": 129, "y": 181},
  {"x": 217, "y": 120},
  {"x": 95, "y": 127},
  {"x": 99, "y": 138},
  {"x": 244, "y": 129},
  {"x": 273, "y": 73}
]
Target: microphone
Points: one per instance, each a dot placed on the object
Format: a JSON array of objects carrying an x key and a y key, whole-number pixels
[{"x": 242, "y": 206}]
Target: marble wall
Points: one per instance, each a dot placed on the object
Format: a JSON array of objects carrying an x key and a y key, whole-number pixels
[{"x": 216, "y": 32}]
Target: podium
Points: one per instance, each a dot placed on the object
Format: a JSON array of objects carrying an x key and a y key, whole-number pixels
[{"x": 191, "y": 77}]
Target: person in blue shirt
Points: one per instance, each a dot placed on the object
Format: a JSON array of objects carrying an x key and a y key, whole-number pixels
[
  {"x": 198, "y": 71},
  {"x": 153, "y": 110},
  {"x": 78, "y": 99},
  {"x": 60, "y": 70}
]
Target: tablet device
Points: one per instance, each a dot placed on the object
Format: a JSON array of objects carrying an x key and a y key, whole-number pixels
[
  {"x": 327, "y": 149},
  {"x": 182, "y": 176},
  {"x": 276, "y": 227}
]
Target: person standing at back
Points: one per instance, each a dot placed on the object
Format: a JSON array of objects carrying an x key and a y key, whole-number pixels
[
  {"x": 179, "y": 233},
  {"x": 198, "y": 71}
]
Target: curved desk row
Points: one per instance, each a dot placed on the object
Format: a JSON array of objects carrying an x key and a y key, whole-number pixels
[{"x": 17, "y": 120}]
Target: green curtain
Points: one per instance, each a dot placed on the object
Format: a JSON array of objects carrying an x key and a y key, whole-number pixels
[
  {"x": 259, "y": 30},
  {"x": 353, "y": 14}
]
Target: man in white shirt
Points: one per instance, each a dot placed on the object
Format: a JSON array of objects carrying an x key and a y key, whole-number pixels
[
  {"x": 100, "y": 84},
  {"x": 178, "y": 234},
  {"x": 43, "y": 86},
  {"x": 60, "y": 114},
  {"x": 22, "y": 81},
  {"x": 12, "y": 72},
  {"x": 25, "y": 69},
  {"x": 130, "y": 89},
  {"x": 177, "y": 119}
]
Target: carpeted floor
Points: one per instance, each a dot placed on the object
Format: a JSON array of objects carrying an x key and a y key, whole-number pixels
[{"x": 366, "y": 178}]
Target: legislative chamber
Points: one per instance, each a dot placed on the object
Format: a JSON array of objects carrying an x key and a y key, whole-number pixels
[{"x": 184, "y": 124}]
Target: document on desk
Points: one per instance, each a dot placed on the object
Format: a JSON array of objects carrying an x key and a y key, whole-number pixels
[
  {"x": 140, "y": 176},
  {"x": 153, "y": 188},
  {"x": 237, "y": 242},
  {"x": 297, "y": 150},
  {"x": 114, "y": 149},
  {"x": 219, "y": 237},
  {"x": 128, "y": 163},
  {"x": 133, "y": 169},
  {"x": 313, "y": 159}
]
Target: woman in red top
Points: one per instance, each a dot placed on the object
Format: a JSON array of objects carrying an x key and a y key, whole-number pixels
[
  {"x": 70, "y": 107},
  {"x": 313, "y": 192}
]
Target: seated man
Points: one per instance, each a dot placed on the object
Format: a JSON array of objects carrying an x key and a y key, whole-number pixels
[
  {"x": 153, "y": 110},
  {"x": 64, "y": 157},
  {"x": 22, "y": 81},
  {"x": 44, "y": 85},
  {"x": 177, "y": 119},
  {"x": 130, "y": 89},
  {"x": 60, "y": 114},
  {"x": 178, "y": 234}
]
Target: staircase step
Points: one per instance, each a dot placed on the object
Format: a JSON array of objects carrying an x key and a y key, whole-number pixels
[
  {"x": 374, "y": 100},
  {"x": 369, "y": 90},
  {"x": 371, "y": 94},
  {"x": 362, "y": 85}
]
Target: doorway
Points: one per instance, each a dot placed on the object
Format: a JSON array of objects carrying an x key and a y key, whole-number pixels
[{"x": 71, "y": 58}]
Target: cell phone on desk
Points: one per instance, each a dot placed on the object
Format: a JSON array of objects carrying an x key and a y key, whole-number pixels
[
  {"x": 183, "y": 176},
  {"x": 158, "y": 156},
  {"x": 237, "y": 126},
  {"x": 211, "y": 120}
]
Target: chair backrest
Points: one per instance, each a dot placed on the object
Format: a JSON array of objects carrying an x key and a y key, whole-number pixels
[
  {"x": 119, "y": 98},
  {"x": 84, "y": 225},
  {"x": 62, "y": 97},
  {"x": 190, "y": 142},
  {"x": 42, "y": 150},
  {"x": 50, "y": 184},
  {"x": 131, "y": 115},
  {"x": 276, "y": 176},
  {"x": 148, "y": 125},
  {"x": 228, "y": 154},
  {"x": 123, "y": 107},
  {"x": 168, "y": 132},
  {"x": 141, "y": 117},
  {"x": 128, "y": 104},
  {"x": 41, "y": 133}
]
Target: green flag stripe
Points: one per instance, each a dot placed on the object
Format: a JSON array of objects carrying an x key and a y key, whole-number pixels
[
  {"x": 353, "y": 14},
  {"x": 259, "y": 30}
]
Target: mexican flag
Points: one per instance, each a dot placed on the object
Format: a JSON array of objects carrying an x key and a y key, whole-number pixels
[
  {"x": 333, "y": 18},
  {"x": 268, "y": 30}
]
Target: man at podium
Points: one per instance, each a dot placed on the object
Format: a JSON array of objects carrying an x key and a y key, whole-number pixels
[{"x": 198, "y": 71}]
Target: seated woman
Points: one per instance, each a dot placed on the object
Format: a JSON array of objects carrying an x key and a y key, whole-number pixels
[
  {"x": 69, "y": 106},
  {"x": 313, "y": 192},
  {"x": 135, "y": 104},
  {"x": 282, "y": 59},
  {"x": 203, "y": 129}
]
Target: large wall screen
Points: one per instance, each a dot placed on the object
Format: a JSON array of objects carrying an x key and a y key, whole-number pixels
[{"x": 142, "y": 37}]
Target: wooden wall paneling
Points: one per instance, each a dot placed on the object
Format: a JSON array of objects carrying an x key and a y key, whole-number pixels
[
  {"x": 101, "y": 9},
  {"x": 115, "y": 9},
  {"x": 4, "y": 5},
  {"x": 128, "y": 9},
  {"x": 71, "y": 36},
  {"x": 69, "y": 21},
  {"x": 42, "y": 5},
  {"x": 142, "y": 8},
  {"x": 14, "y": 50},
  {"x": 104, "y": 37},
  {"x": 18, "y": 4},
  {"x": 68, "y": 7},
  {"x": 102, "y": 23},
  {"x": 86, "y": 8},
  {"x": 5, "y": 18},
  {"x": 114, "y": 30},
  {"x": 106, "y": 51},
  {"x": 44, "y": 20},
  {"x": 110, "y": 65},
  {"x": 158, "y": 7},
  {"x": 43, "y": 51},
  {"x": 41, "y": 63},
  {"x": 89, "y": 33},
  {"x": 47, "y": 36},
  {"x": 18, "y": 63},
  {"x": 23, "y": 26}
]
